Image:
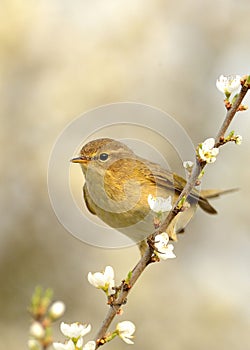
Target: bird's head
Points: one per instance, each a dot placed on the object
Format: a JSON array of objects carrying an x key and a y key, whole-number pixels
[{"x": 102, "y": 153}]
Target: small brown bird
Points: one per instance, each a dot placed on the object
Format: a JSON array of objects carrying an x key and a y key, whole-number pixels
[{"x": 118, "y": 184}]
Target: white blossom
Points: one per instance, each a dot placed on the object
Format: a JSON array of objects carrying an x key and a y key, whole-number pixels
[
  {"x": 37, "y": 330},
  {"x": 56, "y": 310},
  {"x": 207, "y": 151},
  {"x": 164, "y": 250},
  {"x": 228, "y": 84},
  {"x": 103, "y": 280},
  {"x": 67, "y": 346},
  {"x": 75, "y": 330},
  {"x": 79, "y": 342},
  {"x": 125, "y": 331},
  {"x": 159, "y": 204}
]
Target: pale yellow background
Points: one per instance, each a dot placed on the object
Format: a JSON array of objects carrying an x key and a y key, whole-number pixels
[{"x": 60, "y": 58}]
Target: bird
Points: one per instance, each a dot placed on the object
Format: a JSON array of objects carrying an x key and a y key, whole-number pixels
[{"x": 118, "y": 184}]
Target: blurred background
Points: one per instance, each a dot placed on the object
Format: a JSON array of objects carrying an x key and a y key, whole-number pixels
[{"x": 60, "y": 59}]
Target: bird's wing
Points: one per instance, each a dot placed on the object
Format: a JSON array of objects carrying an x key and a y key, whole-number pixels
[{"x": 165, "y": 179}]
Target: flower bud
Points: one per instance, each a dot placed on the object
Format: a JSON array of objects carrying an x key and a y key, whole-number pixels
[
  {"x": 56, "y": 310},
  {"x": 37, "y": 330},
  {"x": 238, "y": 140},
  {"x": 125, "y": 331}
]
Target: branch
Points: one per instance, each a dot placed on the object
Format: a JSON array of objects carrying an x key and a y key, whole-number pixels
[
  {"x": 147, "y": 257},
  {"x": 125, "y": 288},
  {"x": 231, "y": 113}
]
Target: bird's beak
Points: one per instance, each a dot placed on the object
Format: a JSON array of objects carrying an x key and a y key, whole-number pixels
[{"x": 80, "y": 159}]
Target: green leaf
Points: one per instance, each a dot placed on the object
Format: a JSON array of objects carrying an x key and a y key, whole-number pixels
[{"x": 128, "y": 278}]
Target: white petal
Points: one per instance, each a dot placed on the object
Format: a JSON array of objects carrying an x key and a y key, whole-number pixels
[
  {"x": 74, "y": 330},
  {"x": 202, "y": 155},
  {"x": 126, "y": 327},
  {"x": 99, "y": 279},
  {"x": 220, "y": 84},
  {"x": 109, "y": 273},
  {"x": 91, "y": 279},
  {"x": 228, "y": 83},
  {"x": 211, "y": 160},
  {"x": 79, "y": 342},
  {"x": 159, "y": 204},
  {"x": 65, "y": 328},
  {"x": 208, "y": 144},
  {"x": 167, "y": 204},
  {"x": 90, "y": 345},
  {"x": 68, "y": 346},
  {"x": 166, "y": 252},
  {"x": 151, "y": 201},
  {"x": 170, "y": 252},
  {"x": 110, "y": 287},
  {"x": 233, "y": 82},
  {"x": 214, "y": 152},
  {"x": 127, "y": 339},
  {"x": 238, "y": 139},
  {"x": 162, "y": 239},
  {"x": 85, "y": 330},
  {"x": 96, "y": 279}
]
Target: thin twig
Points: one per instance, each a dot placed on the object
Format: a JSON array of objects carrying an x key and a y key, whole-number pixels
[
  {"x": 146, "y": 258},
  {"x": 230, "y": 115},
  {"x": 137, "y": 271}
]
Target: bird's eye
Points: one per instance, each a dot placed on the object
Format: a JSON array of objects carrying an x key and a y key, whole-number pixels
[{"x": 103, "y": 157}]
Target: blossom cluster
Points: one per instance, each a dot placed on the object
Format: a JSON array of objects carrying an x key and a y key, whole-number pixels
[
  {"x": 44, "y": 312},
  {"x": 74, "y": 333},
  {"x": 160, "y": 205}
]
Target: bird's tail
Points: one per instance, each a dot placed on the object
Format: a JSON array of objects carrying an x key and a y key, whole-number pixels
[{"x": 207, "y": 194}]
